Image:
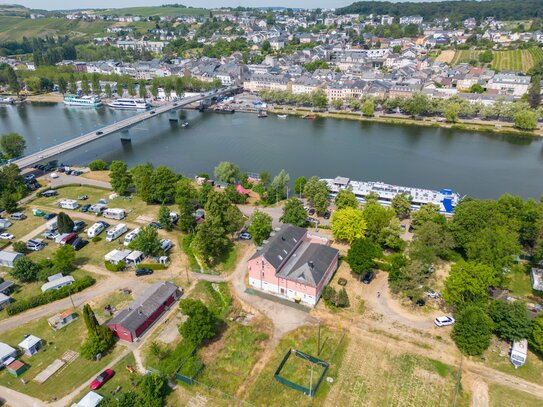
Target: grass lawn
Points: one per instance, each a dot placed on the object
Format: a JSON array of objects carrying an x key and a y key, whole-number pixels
[
  {"x": 519, "y": 281},
  {"x": 117, "y": 300},
  {"x": 531, "y": 371},
  {"x": 305, "y": 340},
  {"x": 215, "y": 295},
  {"x": 122, "y": 378},
  {"x": 57, "y": 343},
  {"x": 503, "y": 396},
  {"x": 21, "y": 228},
  {"x": 381, "y": 374},
  {"x": 508, "y": 60},
  {"x": 465, "y": 55}
]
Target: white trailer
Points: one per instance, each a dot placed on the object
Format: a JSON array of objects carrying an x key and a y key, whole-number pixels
[
  {"x": 519, "y": 352},
  {"x": 114, "y": 213},
  {"x": 95, "y": 230},
  {"x": 130, "y": 236},
  {"x": 116, "y": 232},
  {"x": 68, "y": 204},
  {"x": 52, "y": 225}
]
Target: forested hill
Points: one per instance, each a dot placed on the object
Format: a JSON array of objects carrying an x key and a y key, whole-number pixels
[{"x": 456, "y": 10}]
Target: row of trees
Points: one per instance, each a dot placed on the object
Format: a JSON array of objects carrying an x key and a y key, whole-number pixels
[
  {"x": 316, "y": 99},
  {"x": 26, "y": 270}
]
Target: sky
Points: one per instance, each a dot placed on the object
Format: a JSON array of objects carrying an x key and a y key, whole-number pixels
[{"x": 71, "y": 4}]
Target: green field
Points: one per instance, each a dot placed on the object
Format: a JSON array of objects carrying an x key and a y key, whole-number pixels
[
  {"x": 502, "y": 396},
  {"x": 15, "y": 28},
  {"x": 157, "y": 11},
  {"x": 511, "y": 60}
]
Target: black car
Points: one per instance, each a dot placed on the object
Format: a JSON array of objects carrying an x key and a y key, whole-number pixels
[
  {"x": 49, "y": 216},
  {"x": 106, "y": 225},
  {"x": 79, "y": 225},
  {"x": 367, "y": 277},
  {"x": 311, "y": 211},
  {"x": 85, "y": 208},
  {"x": 155, "y": 225},
  {"x": 98, "y": 133},
  {"x": 326, "y": 215},
  {"x": 79, "y": 243},
  {"x": 143, "y": 272}
]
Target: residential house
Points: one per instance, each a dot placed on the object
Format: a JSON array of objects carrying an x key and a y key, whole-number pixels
[
  {"x": 293, "y": 264},
  {"x": 258, "y": 82},
  {"x": 56, "y": 282},
  {"x": 131, "y": 322},
  {"x": 7, "y": 354},
  {"x": 5, "y": 300},
  {"x": 30, "y": 345},
  {"x": 7, "y": 258},
  {"x": 6, "y": 287},
  {"x": 510, "y": 84},
  {"x": 116, "y": 256},
  {"x": 59, "y": 321}
]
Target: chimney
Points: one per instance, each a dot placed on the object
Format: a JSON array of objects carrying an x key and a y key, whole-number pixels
[{"x": 310, "y": 264}]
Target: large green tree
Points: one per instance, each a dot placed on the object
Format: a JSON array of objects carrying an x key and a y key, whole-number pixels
[
  {"x": 142, "y": 176},
  {"x": 120, "y": 178},
  {"x": 220, "y": 211},
  {"x": 377, "y": 217},
  {"x": 511, "y": 320},
  {"x": 361, "y": 255},
  {"x": 473, "y": 330},
  {"x": 469, "y": 283},
  {"x": 534, "y": 93},
  {"x": 201, "y": 323},
  {"x": 64, "y": 259},
  {"x": 186, "y": 197},
  {"x": 65, "y": 224},
  {"x": 346, "y": 199},
  {"x": 525, "y": 120},
  {"x": 13, "y": 145},
  {"x": 401, "y": 203},
  {"x": 260, "y": 226},
  {"x": 294, "y": 213},
  {"x": 211, "y": 242},
  {"x": 25, "y": 270},
  {"x": 348, "y": 224},
  {"x": 163, "y": 183},
  {"x": 147, "y": 241},
  {"x": 227, "y": 172}
]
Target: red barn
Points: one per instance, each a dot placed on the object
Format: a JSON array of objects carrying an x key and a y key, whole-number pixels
[{"x": 134, "y": 320}]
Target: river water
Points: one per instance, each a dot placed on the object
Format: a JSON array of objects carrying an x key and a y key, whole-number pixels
[{"x": 482, "y": 165}]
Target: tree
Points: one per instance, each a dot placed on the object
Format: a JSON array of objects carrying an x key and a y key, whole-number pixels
[
  {"x": 85, "y": 88},
  {"x": 368, "y": 108},
  {"x": 153, "y": 389},
  {"x": 434, "y": 237},
  {"x": 120, "y": 178},
  {"x": 201, "y": 324},
  {"x": 361, "y": 255},
  {"x": 451, "y": 112},
  {"x": 220, "y": 211},
  {"x": 154, "y": 88},
  {"x": 511, "y": 320},
  {"x": 391, "y": 235},
  {"x": 62, "y": 85},
  {"x": 299, "y": 185},
  {"x": 98, "y": 165},
  {"x": 476, "y": 88},
  {"x": 319, "y": 99},
  {"x": 131, "y": 87},
  {"x": 227, "y": 172},
  {"x": 142, "y": 178},
  {"x": 426, "y": 213},
  {"x": 294, "y": 213},
  {"x": 164, "y": 217},
  {"x": 147, "y": 241},
  {"x": 337, "y": 104},
  {"x": 142, "y": 89},
  {"x": 486, "y": 57},
  {"x": 277, "y": 190},
  {"x": 100, "y": 338},
  {"x": 260, "y": 227},
  {"x": 348, "y": 224},
  {"x": 25, "y": 270},
  {"x": 534, "y": 93},
  {"x": 314, "y": 187},
  {"x": 536, "y": 336},
  {"x": 119, "y": 88},
  {"x": 494, "y": 246},
  {"x": 210, "y": 241},
  {"x": 8, "y": 202},
  {"x": 401, "y": 203},
  {"x": 163, "y": 181},
  {"x": 12, "y": 80},
  {"x": 186, "y": 197},
  {"x": 13, "y": 145},
  {"x": 64, "y": 259},
  {"x": 469, "y": 283},
  {"x": 376, "y": 217},
  {"x": 416, "y": 105},
  {"x": 266, "y": 46},
  {"x": 473, "y": 330},
  {"x": 108, "y": 90},
  {"x": 65, "y": 224},
  {"x": 346, "y": 199},
  {"x": 525, "y": 120}
]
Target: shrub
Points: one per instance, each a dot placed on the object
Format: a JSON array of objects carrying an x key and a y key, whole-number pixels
[
  {"x": 50, "y": 296},
  {"x": 96, "y": 239},
  {"x": 20, "y": 247},
  {"x": 153, "y": 266},
  {"x": 98, "y": 165},
  {"x": 332, "y": 298},
  {"x": 115, "y": 267}
]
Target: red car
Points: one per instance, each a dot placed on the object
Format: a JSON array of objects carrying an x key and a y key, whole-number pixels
[{"x": 101, "y": 379}]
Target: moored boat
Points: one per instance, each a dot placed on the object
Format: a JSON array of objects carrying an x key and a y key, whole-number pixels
[
  {"x": 85, "y": 101},
  {"x": 7, "y": 100},
  {"x": 262, "y": 114},
  {"x": 309, "y": 117},
  {"x": 129, "y": 104},
  {"x": 281, "y": 116}
]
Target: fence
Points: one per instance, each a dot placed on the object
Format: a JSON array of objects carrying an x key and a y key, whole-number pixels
[
  {"x": 199, "y": 366},
  {"x": 311, "y": 390}
]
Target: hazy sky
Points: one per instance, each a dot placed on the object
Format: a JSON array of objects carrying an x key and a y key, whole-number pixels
[{"x": 71, "y": 4}]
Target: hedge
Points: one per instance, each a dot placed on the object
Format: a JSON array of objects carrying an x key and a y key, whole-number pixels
[
  {"x": 115, "y": 267},
  {"x": 153, "y": 266},
  {"x": 50, "y": 296}
]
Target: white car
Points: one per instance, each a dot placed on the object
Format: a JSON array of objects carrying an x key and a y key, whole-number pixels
[
  {"x": 6, "y": 236},
  {"x": 54, "y": 175},
  {"x": 444, "y": 321},
  {"x": 245, "y": 236},
  {"x": 432, "y": 294}
]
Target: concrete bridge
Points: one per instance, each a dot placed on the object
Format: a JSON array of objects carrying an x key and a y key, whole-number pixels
[{"x": 41, "y": 156}]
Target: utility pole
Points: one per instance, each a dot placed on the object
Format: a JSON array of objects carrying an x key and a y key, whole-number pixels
[
  {"x": 319, "y": 339},
  {"x": 71, "y": 299}
]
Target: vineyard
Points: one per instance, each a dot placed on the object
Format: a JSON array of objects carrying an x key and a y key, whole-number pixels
[{"x": 512, "y": 60}]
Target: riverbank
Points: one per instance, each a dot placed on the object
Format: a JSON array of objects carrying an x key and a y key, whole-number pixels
[{"x": 470, "y": 125}]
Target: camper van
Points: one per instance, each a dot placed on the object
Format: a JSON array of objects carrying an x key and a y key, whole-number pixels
[
  {"x": 130, "y": 236},
  {"x": 95, "y": 230},
  {"x": 116, "y": 232},
  {"x": 114, "y": 213},
  {"x": 519, "y": 352},
  {"x": 68, "y": 204},
  {"x": 97, "y": 208},
  {"x": 52, "y": 225}
]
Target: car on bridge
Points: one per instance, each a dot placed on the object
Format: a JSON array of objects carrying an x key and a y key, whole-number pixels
[{"x": 99, "y": 133}]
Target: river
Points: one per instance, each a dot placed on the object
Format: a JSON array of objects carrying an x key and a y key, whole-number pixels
[{"x": 482, "y": 165}]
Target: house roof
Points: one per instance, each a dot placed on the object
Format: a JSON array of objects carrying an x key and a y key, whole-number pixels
[
  {"x": 15, "y": 365},
  {"x": 310, "y": 264},
  {"x": 57, "y": 283},
  {"x": 144, "y": 306},
  {"x": 281, "y": 245},
  {"x": 4, "y": 298},
  {"x": 5, "y": 350},
  {"x": 29, "y": 342},
  {"x": 91, "y": 399},
  {"x": 5, "y": 285},
  {"x": 9, "y": 256}
]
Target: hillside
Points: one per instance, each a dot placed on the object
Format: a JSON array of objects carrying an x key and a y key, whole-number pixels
[
  {"x": 157, "y": 11},
  {"x": 13, "y": 10},
  {"x": 458, "y": 10}
]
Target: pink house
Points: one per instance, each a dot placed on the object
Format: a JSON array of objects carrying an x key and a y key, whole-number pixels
[{"x": 293, "y": 264}]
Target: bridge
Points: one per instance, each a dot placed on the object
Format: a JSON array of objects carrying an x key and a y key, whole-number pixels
[{"x": 41, "y": 156}]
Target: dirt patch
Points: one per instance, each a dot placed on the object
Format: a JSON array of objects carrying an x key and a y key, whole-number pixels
[
  {"x": 446, "y": 56},
  {"x": 428, "y": 376},
  {"x": 478, "y": 389},
  {"x": 102, "y": 176}
]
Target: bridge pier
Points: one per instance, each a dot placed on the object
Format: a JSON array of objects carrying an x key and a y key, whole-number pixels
[
  {"x": 125, "y": 136},
  {"x": 173, "y": 116}
]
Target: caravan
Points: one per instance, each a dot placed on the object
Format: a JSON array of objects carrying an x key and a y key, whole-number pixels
[
  {"x": 116, "y": 232},
  {"x": 68, "y": 204},
  {"x": 130, "y": 236},
  {"x": 114, "y": 213},
  {"x": 519, "y": 352},
  {"x": 95, "y": 230}
]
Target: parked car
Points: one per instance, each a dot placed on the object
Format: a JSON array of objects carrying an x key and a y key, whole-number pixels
[
  {"x": 367, "y": 277},
  {"x": 99, "y": 133},
  {"x": 106, "y": 225},
  {"x": 245, "y": 236},
  {"x": 101, "y": 379},
  {"x": 50, "y": 235},
  {"x": 432, "y": 294},
  {"x": 165, "y": 244},
  {"x": 82, "y": 197},
  {"x": 6, "y": 236},
  {"x": 79, "y": 243},
  {"x": 49, "y": 216},
  {"x": 49, "y": 192},
  {"x": 35, "y": 245},
  {"x": 69, "y": 239},
  {"x": 79, "y": 225},
  {"x": 155, "y": 225},
  {"x": 311, "y": 211},
  {"x": 18, "y": 216},
  {"x": 326, "y": 215},
  {"x": 54, "y": 175},
  {"x": 85, "y": 208},
  {"x": 29, "y": 177},
  {"x": 444, "y": 321},
  {"x": 143, "y": 271}
]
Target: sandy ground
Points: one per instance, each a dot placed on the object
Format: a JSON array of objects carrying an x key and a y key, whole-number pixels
[{"x": 446, "y": 56}]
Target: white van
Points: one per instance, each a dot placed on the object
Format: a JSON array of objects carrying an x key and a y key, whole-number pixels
[
  {"x": 114, "y": 213},
  {"x": 165, "y": 244},
  {"x": 95, "y": 230},
  {"x": 97, "y": 208},
  {"x": 52, "y": 225},
  {"x": 519, "y": 352},
  {"x": 130, "y": 236},
  {"x": 68, "y": 204},
  {"x": 116, "y": 232}
]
